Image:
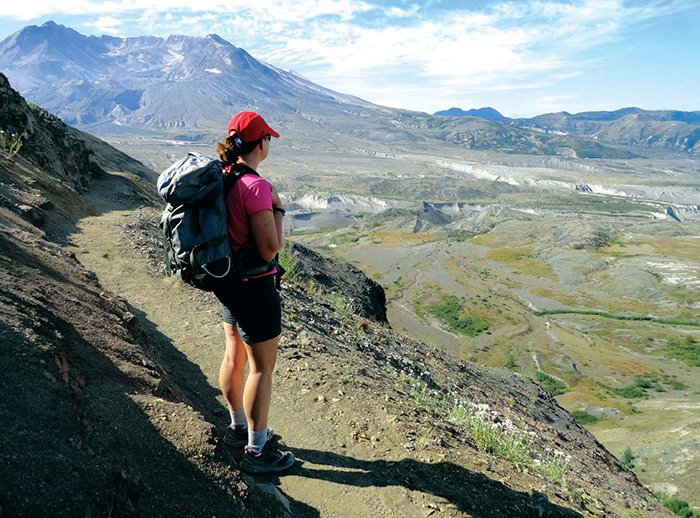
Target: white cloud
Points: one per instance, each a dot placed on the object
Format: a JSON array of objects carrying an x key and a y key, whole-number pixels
[
  {"x": 287, "y": 10},
  {"x": 406, "y": 52},
  {"x": 106, "y": 25},
  {"x": 507, "y": 46},
  {"x": 397, "y": 12}
]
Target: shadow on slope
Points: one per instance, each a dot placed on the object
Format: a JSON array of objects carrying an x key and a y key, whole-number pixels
[
  {"x": 86, "y": 428},
  {"x": 470, "y": 492}
]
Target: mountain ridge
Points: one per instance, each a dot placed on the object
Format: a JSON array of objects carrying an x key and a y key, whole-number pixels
[
  {"x": 156, "y": 86},
  {"x": 148, "y": 64},
  {"x": 484, "y": 113},
  {"x": 627, "y": 126}
]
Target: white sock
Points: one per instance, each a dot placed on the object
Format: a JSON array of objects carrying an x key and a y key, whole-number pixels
[
  {"x": 257, "y": 440},
  {"x": 238, "y": 420}
]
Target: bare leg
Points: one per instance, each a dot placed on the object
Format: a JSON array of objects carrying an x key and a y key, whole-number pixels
[
  {"x": 232, "y": 371},
  {"x": 258, "y": 388}
]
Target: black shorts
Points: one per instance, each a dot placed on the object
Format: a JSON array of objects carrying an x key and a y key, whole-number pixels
[{"x": 254, "y": 305}]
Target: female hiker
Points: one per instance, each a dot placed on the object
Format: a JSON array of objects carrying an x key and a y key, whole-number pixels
[{"x": 251, "y": 304}]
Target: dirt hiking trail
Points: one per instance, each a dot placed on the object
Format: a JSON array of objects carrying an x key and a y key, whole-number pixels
[{"x": 191, "y": 322}]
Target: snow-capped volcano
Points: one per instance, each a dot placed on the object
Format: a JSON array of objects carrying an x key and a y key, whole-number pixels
[{"x": 156, "y": 83}]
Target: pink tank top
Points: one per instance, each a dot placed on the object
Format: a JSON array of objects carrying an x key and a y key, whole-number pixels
[{"x": 249, "y": 195}]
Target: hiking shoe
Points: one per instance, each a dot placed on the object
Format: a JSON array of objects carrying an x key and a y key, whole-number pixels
[
  {"x": 239, "y": 439},
  {"x": 270, "y": 460}
]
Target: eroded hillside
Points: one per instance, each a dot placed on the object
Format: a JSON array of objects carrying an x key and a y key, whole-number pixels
[{"x": 596, "y": 304}]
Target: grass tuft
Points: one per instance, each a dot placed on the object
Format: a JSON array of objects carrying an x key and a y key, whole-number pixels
[
  {"x": 288, "y": 259},
  {"x": 508, "y": 440},
  {"x": 341, "y": 304}
]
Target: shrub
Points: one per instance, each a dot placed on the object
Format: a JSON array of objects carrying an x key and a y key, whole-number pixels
[
  {"x": 679, "y": 507},
  {"x": 628, "y": 457},
  {"x": 631, "y": 391}
]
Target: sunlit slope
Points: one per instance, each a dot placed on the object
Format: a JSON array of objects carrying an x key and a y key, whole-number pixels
[{"x": 601, "y": 310}]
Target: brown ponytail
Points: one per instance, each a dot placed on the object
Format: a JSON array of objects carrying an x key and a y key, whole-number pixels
[{"x": 232, "y": 148}]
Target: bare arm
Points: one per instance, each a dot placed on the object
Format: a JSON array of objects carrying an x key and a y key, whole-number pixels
[
  {"x": 276, "y": 202},
  {"x": 264, "y": 226},
  {"x": 279, "y": 221}
]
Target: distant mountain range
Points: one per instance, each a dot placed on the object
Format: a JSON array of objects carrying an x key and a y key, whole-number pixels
[
  {"x": 628, "y": 126},
  {"x": 190, "y": 86},
  {"x": 483, "y": 113}
]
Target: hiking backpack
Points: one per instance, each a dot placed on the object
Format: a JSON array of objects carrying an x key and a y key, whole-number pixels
[{"x": 194, "y": 223}]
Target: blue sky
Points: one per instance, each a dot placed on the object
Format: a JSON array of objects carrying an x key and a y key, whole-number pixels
[{"x": 520, "y": 57}]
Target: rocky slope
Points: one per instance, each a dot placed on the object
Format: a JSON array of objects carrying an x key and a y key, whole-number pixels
[
  {"x": 55, "y": 163},
  {"x": 107, "y": 413}
]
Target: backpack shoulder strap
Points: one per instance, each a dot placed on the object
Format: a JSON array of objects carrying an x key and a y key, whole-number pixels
[{"x": 234, "y": 175}]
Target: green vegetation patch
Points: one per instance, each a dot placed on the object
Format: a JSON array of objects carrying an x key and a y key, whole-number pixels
[
  {"x": 584, "y": 203},
  {"x": 679, "y": 507},
  {"x": 686, "y": 349},
  {"x": 638, "y": 318},
  {"x": 451, "y": 314},
  {"x": 313, "y": 231},
  {"x": 551, "y": 385},
  {"x": 685, "y": 296},
  {"x": 344, "y": 238},
  {"x": 584, "y": 417},
  {"x": 460, "y": 236},
  {"x": 643, "y": 383},
  {"x": 522, "y": 259},
  {"x": 511, "y": 364}
]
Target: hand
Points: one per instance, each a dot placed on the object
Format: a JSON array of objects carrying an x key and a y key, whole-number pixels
[{"x": 276, "y": 202}]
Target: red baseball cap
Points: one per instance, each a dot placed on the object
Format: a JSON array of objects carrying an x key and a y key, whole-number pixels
[{"x": 250, "y": 127}]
